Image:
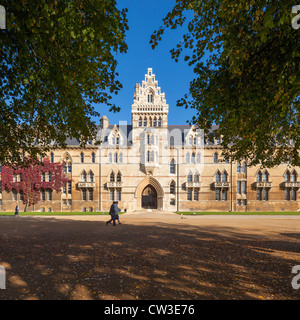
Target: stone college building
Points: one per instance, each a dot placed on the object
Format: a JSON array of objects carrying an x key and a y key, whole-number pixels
[{"x": 150, "y": 165}]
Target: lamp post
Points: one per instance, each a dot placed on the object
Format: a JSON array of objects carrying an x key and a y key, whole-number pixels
[
  {"x": 231, "y": 181},
  {"x": 100, "y": 209},
  {"x": 177, "y": 169}
]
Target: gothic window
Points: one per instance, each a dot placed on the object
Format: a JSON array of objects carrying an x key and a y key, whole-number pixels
[
  {"x": 159, "y": 122},
  {"x": 258, "y": 177},
  {"x": 69, "y": 187},
  {"x": 84, "y": 176},
  {"x": 286, "y": 194},
  {"x": 244, "y": 166},
  {"x": 118, "y": 194},
  {"x": 218, "y": 191},
  {"x": 150, "y": 97},
  {"x": 140, "y": 122},
  {"x": 294, "y": 176},
  {"x": 145, "y": 122},
  {"x": 258, "y": 194},
  {"x": 287, "y": 176},
  {"x": 196, "y": 194},
  {"x": 190, "y": 177},
  {"x": 218, "y": 177},
  {"x": 193, "y": 158},
  {"x": 172, "y": 187},
  {"x": 115, "y": 158},
  {"x": 196, "y": 177},
  {"x": 112, "y": 177},
  {"x": 265, "y": 195},
  {"x": 112, "y": 195},
  {"x": 187, "y": 158},
  {"x": 238, "y": 168},
  {"x": 215, "y": 158},
  {"x": 110, "y": 158},
  {"x": 198, "y": 157},
  {"x": 172, "y": 166},
  {"x": 121, "y": 158},
  {"x": 148, "y": 156},
  {"x": 224, "y": 176},
  {"x": 224, "y": 194},
  {"x": 152, "y": 139},
  {"x": 154, "y": 122},
  {"x": 244, "y": 187},
  {"x": 238, "y": 187},
  {"x": 189, "y": 194},
  {"x": 91, "y": 177},
  {"x": 91, "y": 194},
  {"x": 93, "y": 157},
  {"x": 152, "y": 156},
  {"x": 119, "y": 177},
  {"x": 265, "y": 177},
  {"x": 52, "y": 157}
]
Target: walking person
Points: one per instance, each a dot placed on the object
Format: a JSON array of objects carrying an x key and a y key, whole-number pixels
[
  {"x": 17, "y": 210},
  {"x": 112, "y": 215},
  {"x": 117, "y": 210}
]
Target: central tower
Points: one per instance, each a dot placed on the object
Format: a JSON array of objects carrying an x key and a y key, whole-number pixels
[
  {"x": 149, "y": 113},
  {"x": 149, "y": 108}
]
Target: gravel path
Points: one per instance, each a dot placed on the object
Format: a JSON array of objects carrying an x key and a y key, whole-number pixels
[{"x": 149, "y": 256}]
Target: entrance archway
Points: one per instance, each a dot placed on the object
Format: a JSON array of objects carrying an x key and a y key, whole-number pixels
[
  {"x": 149, "y": 198},
  {"x": 153, "y": 191}
]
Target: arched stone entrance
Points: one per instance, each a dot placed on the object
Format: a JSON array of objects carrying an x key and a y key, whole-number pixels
[
  {"x": 149, "y": 198},
  {"x": 149, "y": 194}
]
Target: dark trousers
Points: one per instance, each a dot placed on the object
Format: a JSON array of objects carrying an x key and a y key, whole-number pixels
[{"x": 112, "y": 219}]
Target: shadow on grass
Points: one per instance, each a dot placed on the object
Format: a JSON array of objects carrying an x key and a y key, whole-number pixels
[{"x": 59, "y": 259}]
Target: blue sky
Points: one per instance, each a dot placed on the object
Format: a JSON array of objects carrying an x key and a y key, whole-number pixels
[{"x": 144, "y": 17}]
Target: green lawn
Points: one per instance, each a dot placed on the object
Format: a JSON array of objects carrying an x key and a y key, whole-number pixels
[
  {"x": 257, "y": 213},
  {"x": 56, "y": 213},
  {"x": 282, "y": 213}
]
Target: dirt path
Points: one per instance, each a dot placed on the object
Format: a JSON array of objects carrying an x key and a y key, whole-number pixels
[{"x": 149, "y": 256}]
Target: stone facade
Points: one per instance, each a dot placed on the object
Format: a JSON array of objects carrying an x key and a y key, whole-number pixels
[{"x": 150, "y": 165}]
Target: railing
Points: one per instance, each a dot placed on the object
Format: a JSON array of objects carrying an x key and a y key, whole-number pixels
[
  {"x": 193, "y": 184},
  {"x": 263, "y": 184},
  {"x": 115, "y": 184},
  {"x": 292, "y": 184},
  {"x": 222, "y": 184},
  {"x": 86, "y": 184}
]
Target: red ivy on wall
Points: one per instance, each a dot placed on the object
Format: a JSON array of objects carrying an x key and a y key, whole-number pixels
[{"x": 30, "y": 180}]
